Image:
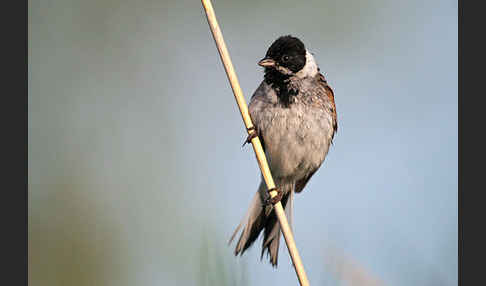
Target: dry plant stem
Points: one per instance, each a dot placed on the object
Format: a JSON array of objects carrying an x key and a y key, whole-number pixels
[{"x": 257, "y": 147}]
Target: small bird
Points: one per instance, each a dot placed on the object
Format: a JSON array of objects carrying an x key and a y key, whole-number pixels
[{"x": 294, "y": 115}]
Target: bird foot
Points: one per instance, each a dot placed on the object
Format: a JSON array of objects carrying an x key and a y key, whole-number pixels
[
  {"x": 252, "y": 133},
  {"x": 275, "y": 199}
]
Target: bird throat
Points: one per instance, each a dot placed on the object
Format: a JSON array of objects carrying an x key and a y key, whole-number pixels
[{"x": 282, "y": 84}]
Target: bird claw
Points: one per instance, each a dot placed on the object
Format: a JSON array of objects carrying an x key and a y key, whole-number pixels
[
  {"x": 275, "y": 199},
  {"x": 252, "y": 133}
]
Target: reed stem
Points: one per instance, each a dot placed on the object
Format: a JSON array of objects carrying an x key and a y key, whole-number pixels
[{"x": 257, "y": 146}]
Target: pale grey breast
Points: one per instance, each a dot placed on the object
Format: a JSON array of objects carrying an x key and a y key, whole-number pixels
[{"x": 296, "y": 137}]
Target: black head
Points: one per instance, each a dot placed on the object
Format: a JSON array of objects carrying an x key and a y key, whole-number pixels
[{"x": 286, "y": 55}]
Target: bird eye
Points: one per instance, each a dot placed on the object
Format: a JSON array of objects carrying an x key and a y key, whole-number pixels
[{"x": 285, "y": 58}]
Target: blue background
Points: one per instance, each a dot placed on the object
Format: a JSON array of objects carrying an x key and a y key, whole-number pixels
[{"x": 136, "y": 171}]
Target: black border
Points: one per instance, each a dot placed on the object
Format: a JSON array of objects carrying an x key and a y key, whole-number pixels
[
  {"x": 13, "y": 118},
  {"x": 471, "y": 78}
]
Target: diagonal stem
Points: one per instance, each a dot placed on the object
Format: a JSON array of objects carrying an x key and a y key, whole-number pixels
[{"x": 257, "y": 146}]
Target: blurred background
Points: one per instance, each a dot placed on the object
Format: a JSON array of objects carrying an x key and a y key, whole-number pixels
[{"x": 136, "y": 171}]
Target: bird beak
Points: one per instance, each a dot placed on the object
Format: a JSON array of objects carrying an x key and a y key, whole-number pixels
[{"x": 266, "y": 62}]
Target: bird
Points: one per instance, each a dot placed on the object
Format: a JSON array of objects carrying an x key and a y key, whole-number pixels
[{"x": 294, "y": 115}]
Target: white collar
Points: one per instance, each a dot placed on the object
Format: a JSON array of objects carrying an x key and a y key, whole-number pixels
[{"x": 310, "y": 67}]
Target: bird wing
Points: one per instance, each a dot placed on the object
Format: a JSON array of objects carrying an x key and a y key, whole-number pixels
[
  {"x": 259, "y": 101},
  {"x": 329, "y": 97}
]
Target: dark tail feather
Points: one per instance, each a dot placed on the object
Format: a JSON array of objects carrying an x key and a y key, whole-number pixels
[
  {"x": 253, "y": 222},
  {"x": 272, "y": 233},
  {"x": 260, "y": 218}
]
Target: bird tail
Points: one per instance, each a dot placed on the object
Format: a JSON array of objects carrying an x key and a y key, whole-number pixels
[{"x": 260, "y": 217}]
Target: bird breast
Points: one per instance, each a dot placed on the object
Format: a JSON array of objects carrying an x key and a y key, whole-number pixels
[{"x": 296, "y": 137}]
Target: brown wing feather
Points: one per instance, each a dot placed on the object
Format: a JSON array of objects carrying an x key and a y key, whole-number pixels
[{"x": 330, "y": 95}]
